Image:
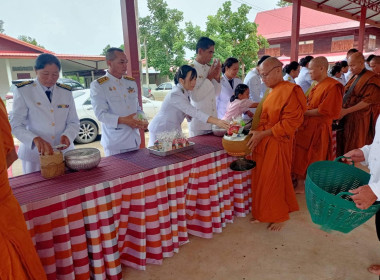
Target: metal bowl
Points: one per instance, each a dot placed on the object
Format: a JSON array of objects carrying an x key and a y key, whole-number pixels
[
  {"x": 82, "y": 159},
  {"x": 218, "y": 131}
]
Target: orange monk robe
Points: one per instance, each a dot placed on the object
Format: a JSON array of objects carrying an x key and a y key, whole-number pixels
[
  {"x": 357, "y": 125},
  {"x": 273, "y": 196},
  {"x": 314, "y": 137},
  {"x": 18, "y": 257}
]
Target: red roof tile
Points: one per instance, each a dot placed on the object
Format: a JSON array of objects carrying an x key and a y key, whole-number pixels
[{"x": 277, "y": 23}]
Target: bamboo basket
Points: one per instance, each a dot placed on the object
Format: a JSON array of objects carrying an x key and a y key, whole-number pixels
[{"x": 52, "y": 165}]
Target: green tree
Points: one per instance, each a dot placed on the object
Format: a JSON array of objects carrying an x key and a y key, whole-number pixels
[
  {"x": 165, "y": 40},
  {"x": 234, "y": 35},
  {"x": 282, "y": 3},
  {"x": 1, "y": 26},
  {"x": 29, "y": 40}
]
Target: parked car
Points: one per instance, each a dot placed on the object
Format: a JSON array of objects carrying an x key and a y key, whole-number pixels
[
  {"x": 9, "y": 95},
  {"x": 160, "y": 92},
  {"x": 90, "y": 126},
  {"x": 147, "y": 92}
]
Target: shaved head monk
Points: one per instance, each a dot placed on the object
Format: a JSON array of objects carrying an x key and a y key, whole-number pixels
[
  {"x": 18, "y": 257},
  {"x": 273, "y": 196},
  {"x": 362, "y": 92},
  {"x": 374, "y": 63},
  {"x": 314, "y": 137}
]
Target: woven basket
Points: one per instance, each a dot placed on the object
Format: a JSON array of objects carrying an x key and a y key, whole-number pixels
[
  {"x": 52, "y": 165},
  {"x": 327, "y": 197}
]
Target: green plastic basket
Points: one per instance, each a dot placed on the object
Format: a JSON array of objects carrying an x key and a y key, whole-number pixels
[{"x": 327, "y": 197}]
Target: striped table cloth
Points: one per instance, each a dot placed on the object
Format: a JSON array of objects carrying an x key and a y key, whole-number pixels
[{"x": 132, "y": 220}]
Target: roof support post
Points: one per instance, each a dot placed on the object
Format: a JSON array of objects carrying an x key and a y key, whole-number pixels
[
  {"x": 363, "y": 16},
  {"x": 128, "y": 18},
  {"x": 294, "y": 42}
]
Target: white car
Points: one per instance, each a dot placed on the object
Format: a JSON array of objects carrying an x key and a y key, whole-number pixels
[
  {"x": 162, "y": 90},
  {"x": 89, "y": 124}
]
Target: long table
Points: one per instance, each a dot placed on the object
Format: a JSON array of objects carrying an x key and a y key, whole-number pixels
[{"x": 133, "y": 209}]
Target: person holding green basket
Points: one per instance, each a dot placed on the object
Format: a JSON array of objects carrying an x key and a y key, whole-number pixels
[{"x": 366, "y": 195}]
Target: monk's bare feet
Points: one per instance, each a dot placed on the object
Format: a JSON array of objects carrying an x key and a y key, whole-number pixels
[
  {"x": 254, "y": 221},
  {"x": 276, "y": 226},
  {"x": 300, "y": 188},
  {"x": 375, "y": 269}
]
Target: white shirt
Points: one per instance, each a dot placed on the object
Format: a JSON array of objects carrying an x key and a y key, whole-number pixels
[
  {"x": 203, "y": 97},
  {"x": 289, "y": 78},
  {"x": 34, "y": 115},
  {"x": 339, "y": 79},
  {"x": 255, "y": 84},
  {"x": 372, "y": 160},
  {"x": 226, "y": 92},
  {"x": 112, "y": 98},
  {"x": 175, "y": 107},
  {"x": 303, "y": 79}
]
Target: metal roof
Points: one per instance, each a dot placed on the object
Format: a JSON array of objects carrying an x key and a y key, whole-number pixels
[{"x": 347, "y": 8}]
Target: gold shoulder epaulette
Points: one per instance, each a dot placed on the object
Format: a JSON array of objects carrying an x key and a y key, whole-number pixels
[
  {"x": 192, "y": 65},
  {"x": 103, "y": 79},
  {"x": 19, "y": 85},
  {"x": 129, "y": 78},
  {"x": 64, "y": 86}
]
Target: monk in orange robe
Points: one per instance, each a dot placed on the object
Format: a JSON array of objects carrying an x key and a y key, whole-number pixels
[
  {"x": 313, "y": 140},
  {"x": 18, "y": 257},
  {"x": 273, "y": 196},
  {"x": 375, "y": 65},
  {"x": 358, "y": 104}
]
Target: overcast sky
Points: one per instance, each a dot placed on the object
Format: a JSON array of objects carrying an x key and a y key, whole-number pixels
[{"x": 87, "y": 26}]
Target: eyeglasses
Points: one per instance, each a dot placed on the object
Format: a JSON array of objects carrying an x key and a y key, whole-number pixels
[{"x": 266, "y": 75}]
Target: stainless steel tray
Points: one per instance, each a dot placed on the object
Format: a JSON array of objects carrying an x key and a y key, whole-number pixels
[{"x": 152, "y": 150}]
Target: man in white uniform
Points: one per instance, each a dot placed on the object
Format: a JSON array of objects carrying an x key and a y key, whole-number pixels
[
  {"x": 43, "y": 114},
  {"x": 256, "y": 86},
  {"x": 207, "y": 87},
  {"x": 366, "y": 195},
  {"x": 114, "y": 98}
]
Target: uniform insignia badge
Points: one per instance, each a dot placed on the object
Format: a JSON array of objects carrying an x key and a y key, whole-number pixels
[
  {"x": 38, "y": 103},
  {"x": 131, "y": 90},
  {"x": 63, "y": 106},
  {"x": 102, "y": 80},
  {"x": 289, "y": 79},
  {"x": 129, "y": 78},
  {"x": 110, "y": 88},
  {"x": 114, "y": 88},
  {"x": 19, "y": 85},
  {"x": 64, "y": 86}
]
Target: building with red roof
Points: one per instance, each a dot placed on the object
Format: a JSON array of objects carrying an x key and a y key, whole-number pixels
[
  {"x": 17, "y": 62},
  {"x": 321, "y": 34}
]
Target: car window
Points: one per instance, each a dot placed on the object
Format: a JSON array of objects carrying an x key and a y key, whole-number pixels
[
  {"x": 161, "y": 87},
  {"x": 168, "y": 86},
  {"x": 88, "y": 102}
]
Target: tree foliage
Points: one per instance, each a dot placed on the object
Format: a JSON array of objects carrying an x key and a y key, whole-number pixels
[
  {"x": 30, "y": 40},
  {"x": 282, "y": 3},
  {"x": 164, "y": 38},
  {"x": 2, "y": 26},
  {"x": 108, "y": 47},
  {"x": 234, "y": 35}
]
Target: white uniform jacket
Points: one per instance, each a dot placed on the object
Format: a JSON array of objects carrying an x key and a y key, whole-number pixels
[
  {"x": 203, "y": 97},
  {"x": 174, "y": 109},
  {"x": 372, "y": 160},
  {"x": 256, "y": 85},
  {"x": 303, "y": 79},
  {"x": 224, "y": 97},
  {"x": 112, "y": 98},
  {"x": 289, "y": 78},
  {"x": 33, "y": 115}
]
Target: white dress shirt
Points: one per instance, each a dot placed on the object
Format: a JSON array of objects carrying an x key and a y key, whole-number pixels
[
  {"x": 372, "y": 160},
  {"x": 226, "y": 92},
  {"x": 303, "y": 79}
]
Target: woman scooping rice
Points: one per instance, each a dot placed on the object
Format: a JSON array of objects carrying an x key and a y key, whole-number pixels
[{"x": 176, "y": 106}]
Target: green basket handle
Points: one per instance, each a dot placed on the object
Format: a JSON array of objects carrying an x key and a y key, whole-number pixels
[
  {"x": 338, "y": 158},
  {"x": 344, "y": 193}
]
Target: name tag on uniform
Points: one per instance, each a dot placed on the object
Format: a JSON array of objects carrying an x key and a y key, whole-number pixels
[
  {"x": 63, "y": 106},
  {"x": 131, "y": 90}
]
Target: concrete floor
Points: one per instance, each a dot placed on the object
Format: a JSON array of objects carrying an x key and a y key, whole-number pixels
[{"x": 249, "y": 251}]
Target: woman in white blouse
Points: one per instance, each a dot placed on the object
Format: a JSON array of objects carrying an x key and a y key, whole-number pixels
[
  {"x": 292, "y": 71},
  {"x": 176, "y": 106},
  {"x": 228, "y": 83}
]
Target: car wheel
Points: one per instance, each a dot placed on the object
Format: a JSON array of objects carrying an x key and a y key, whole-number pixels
[{"x": 88, "y": 131}]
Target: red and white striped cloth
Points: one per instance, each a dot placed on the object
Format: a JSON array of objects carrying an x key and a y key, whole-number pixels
[{"x": 134, "y": 220}]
